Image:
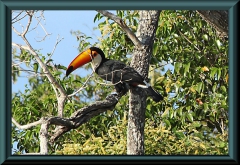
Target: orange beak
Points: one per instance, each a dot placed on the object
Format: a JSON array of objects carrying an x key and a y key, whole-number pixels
[{"x": 80, "y": 60}]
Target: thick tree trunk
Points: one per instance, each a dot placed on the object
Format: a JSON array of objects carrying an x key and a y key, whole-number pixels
[
  {"x": 217, "y": 18},
  {"x": 148, "y": 23}
]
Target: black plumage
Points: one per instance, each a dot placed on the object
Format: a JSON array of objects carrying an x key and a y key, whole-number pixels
[
  {"x": 119, "y": 73},
  {"x": 116, "y": 72}
]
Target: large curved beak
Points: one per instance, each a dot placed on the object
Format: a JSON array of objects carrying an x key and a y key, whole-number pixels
[{"x": 80, "y": 60}]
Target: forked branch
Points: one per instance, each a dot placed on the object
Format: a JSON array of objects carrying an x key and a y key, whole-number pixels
[
  {"x": 122, "y": 24},
  {"x": 78, "y": 118}
]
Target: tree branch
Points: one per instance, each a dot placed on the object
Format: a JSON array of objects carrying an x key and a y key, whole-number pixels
[
  {"x": 78, "y": 118},
  {"x": 60, "y": 92},
  {"x": 148, "y": 23},
  {"x": 122, "y": 24},
  {"x": 19, "y": 18},
  {"x": 27, "y": 126},
  {"x": 83, "y": 86},
  {"x": 217, "y": 18},
  {"x": 57, "y": 42},
  {"x": 30, "y": 13},
  {"x": 84, "y": 114}
]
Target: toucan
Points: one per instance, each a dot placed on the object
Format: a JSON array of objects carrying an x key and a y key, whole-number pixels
[{"x": 117, "y": 72}]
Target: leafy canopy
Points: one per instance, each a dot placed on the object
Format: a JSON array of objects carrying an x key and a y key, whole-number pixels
[{"x": 189, "y": 67}]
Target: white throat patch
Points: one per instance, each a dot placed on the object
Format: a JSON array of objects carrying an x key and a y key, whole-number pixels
[{"x": 96, "y": 61}]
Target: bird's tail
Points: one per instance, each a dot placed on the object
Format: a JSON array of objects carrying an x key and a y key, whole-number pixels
[{"x": 153, "y": 94}]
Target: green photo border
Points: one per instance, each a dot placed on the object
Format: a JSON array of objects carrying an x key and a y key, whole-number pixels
[{"x": 5, "y": 72}]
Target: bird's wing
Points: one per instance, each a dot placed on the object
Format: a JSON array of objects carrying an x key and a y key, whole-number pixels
[{"x": 126, "y": 74}]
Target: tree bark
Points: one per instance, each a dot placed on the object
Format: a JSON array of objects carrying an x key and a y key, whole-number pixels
[
  {"x": 217, "y": 18},
  {"x": 148, "y": 23}
]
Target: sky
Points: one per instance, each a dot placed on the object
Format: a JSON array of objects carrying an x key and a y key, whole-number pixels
[{"x": 58, "y": 24}]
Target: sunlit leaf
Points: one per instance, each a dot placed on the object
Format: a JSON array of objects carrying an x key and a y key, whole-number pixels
[
  {"x": 190, "y": 117},
  {"x": 205, "y": 37},
  {"x": 205, "y": 69},
  {"x": 199, "y": 87}
]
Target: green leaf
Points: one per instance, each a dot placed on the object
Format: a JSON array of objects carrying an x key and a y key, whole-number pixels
[
  {"x": 62, "y": 67},
  {"x": 155, "y": 48},
  {"x": 208, "y": 81},
  {"x": 188, "y": 108},
  {"x": 219, "y": 73},
  {"x": 223, "y": 88},
  {"x": 35, "y": 67},
  {"x": 199, "y": 87},
  {"x": 57, "y": 73},
  {"x": 190, "y": 117},
  {"x": 164, "y": 47},
  {"x": 196, "y": 124},
  {"x": 35, "y": 111},
  {"x": 175, "y": 35},
  {"x": 96, "y": 17},
  {"x": 48, "y": 61},
  {"x": 205, "y": 37},
  {"x": 177, "y": 67},
  {"x": 168, "y": 124},
  {"x": 179, "y": 111},
  {"x": 205, "y": 106},
  {"x": 222, "y": 144},
  {"x": 218, "y": 43},
  {"x": 214, "y": 88},
  {"x": 186, "y": 68},
  {"x": 213, "y": 72},
  {"x": 165, "y": 113},
  {"x": 180, "y": 135}
]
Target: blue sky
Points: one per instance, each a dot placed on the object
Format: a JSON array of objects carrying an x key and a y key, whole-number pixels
[{"x": 58, "y": 24}]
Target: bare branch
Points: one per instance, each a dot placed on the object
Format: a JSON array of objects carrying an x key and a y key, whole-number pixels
[
  {"x": 17, "y": 32},
  {"x": 45, "y": 120},
  {"x": 39, "y": 23},
  {"x": 59, "y": 91},
  {"x": 22, "y": 47},
  {"x": 78, "y": 118},
  {"x": 43, "y": 28},
  {"x": 45, "y": 73},
  {"x": 50, "y": 77},
  {"x": 30, "y": 14},
  {"x": 84, "y": 114},
  {"x": 19, "y": 18},
  {"x": 27, "y": 126},
  {"x": 83, "y": 86},
  {"x": 122, "y": 24},
  {"x": 55, "y": 46}
]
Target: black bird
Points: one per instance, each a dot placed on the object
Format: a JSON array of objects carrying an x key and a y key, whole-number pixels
[{"x": 112, "y": 70}]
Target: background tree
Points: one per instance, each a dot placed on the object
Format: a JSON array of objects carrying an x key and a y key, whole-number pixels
[{"x": 188, "y": 64}]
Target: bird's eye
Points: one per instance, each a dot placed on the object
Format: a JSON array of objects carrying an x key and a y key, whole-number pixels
[{"x": 94, "y": 54}]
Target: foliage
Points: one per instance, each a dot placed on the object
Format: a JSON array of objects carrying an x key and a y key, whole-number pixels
[
  {"x": 189, "y": 67},
  {"x": 158, "y": 141},
  {"x": 111, "y": 142}
]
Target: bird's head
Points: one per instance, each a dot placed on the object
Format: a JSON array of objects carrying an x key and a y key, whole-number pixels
[{"x": 93, "y": 55}]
